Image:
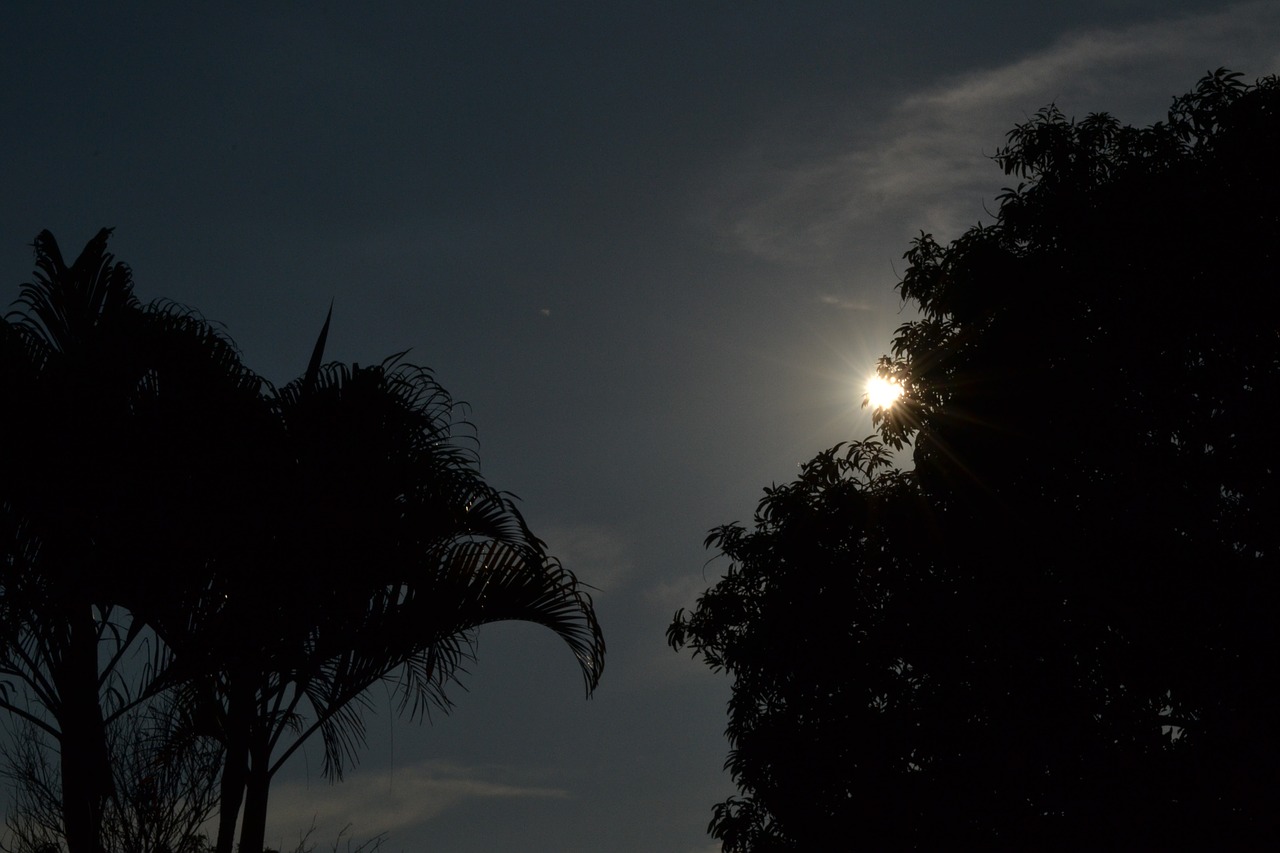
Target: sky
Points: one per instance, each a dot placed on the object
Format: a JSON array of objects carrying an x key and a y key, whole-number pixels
[{"x": 653, "y": 246}]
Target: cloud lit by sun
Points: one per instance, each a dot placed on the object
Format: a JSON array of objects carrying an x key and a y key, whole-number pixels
[{"x": 882, "y": 393}]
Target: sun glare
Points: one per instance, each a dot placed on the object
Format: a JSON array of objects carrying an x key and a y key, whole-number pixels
[{"x": 882, "y": 393}]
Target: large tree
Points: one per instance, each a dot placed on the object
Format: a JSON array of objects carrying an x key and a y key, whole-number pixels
[{"x": 1079, "y": 631}]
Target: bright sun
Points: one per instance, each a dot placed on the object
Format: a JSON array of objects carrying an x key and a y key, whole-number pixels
[{"x": 882, "y": 393}]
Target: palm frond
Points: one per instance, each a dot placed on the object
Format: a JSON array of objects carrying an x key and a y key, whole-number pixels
[
  {"x": 317, "y": 353},
  {"x": 63, "y": 304},
  {"x": 475, "y": 583}
]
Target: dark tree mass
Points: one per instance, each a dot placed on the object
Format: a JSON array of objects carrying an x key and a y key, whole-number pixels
[
  {"x": 199, "y": 570},
  {"x": 1057, "y": 631}
]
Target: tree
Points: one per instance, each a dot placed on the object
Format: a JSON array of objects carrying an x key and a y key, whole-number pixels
[
  {"x": 1074, "y": 381},
  {"x": 280, "y": 550},
  {"x": 810, "y": 620},
  {"x": 116, "y": 412},
  {"x": 1085, "y": 614},
  {"x": 386, "y": 550}
]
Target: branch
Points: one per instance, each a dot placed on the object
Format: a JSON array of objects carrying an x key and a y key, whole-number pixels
[{"x": 6, "y": 705}]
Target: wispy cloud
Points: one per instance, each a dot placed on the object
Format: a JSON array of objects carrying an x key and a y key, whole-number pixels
[
  {"x": 372, "y": 802},
  {"x": 598, "y": 555},
  {"x": 683, "y": 591},
  {"x": 844, "y": 303},
  {"x": 658, "y": 664},
  {"x": 927, "y": 161}
]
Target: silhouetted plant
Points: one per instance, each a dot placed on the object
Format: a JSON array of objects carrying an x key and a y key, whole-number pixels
[
  {"x": 116, "y": 413},
  {"x": 164, "y": 786},
  {"x": 386, "y": 551},
  {"x": 283, "y": 550},
  {"x": 809, "y": 620},
  {"x": 1061, "y": 636}
]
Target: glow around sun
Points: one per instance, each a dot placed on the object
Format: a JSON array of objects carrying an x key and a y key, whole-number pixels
[{"x": 882, "y": 393}]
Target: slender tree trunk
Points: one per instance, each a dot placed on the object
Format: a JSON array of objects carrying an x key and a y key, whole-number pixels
[
  {"x": 253, "y": 830},
  {"x": 235, "y": 768},
  {"x": 86, "y": 770},
  {"x": 234, "y": 774}
]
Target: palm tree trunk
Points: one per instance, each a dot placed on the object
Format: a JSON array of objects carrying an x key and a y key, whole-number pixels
[
  {"x": 86, "y": 770},
  {"x": 235, "y": 767},
  {"x": 234, "y": 774},
  {"x": 253, "y": 830}
]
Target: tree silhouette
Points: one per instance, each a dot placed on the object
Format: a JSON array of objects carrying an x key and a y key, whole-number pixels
[
  {"x": 810, "y": 619},
  {"x": 386, "y": 550},
  {"x": 279, "y": 550},
  {"x": 1073, "y": 646},
  {"x": 104, "y": 397}
]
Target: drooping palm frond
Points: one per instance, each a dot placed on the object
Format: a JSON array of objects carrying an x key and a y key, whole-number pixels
[
  {"x": 393, "y": 430},
  {"x": 420, "y": 635},
  {"x": 490, "y": 581},
  {"x": 187, "y": 346}
]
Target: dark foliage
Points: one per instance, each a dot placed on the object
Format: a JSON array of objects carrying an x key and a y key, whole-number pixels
[
  {"x": 810, "y": 620},
  {"x": 113, "y": 417},
  {"x": 1072, "y": 642},
  {"x": 173, "y": 528}
]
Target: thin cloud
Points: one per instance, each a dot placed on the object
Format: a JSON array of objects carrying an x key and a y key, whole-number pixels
[
  {"x": 683, "y": 591},
  {"x": 597, "y": 554},
  {"x": 372, "y": 803},
  {"x": 928, "y": 161},
  {"x": 658, "y": 664},
  {"x": 844, "y": 304},
  {"x": 714, "y": 847}
]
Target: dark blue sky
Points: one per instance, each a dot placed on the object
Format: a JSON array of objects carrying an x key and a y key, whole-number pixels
[{"x": 653, "y": 245}]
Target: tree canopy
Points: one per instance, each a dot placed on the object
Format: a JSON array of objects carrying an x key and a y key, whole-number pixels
[{"x": 1055, "y": 631}]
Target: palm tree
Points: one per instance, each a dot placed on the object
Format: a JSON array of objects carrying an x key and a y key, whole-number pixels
[
  {"x": 117, "y": 412},
  {"x": 386, "y": 550},
  {"x": 286, "y": 549}
]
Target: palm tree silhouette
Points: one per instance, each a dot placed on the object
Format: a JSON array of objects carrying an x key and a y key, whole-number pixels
[
  {"x": 386, "y": 550},
  {"x": 289, "y": 547},
  {"x": 103, "y": 396}
]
